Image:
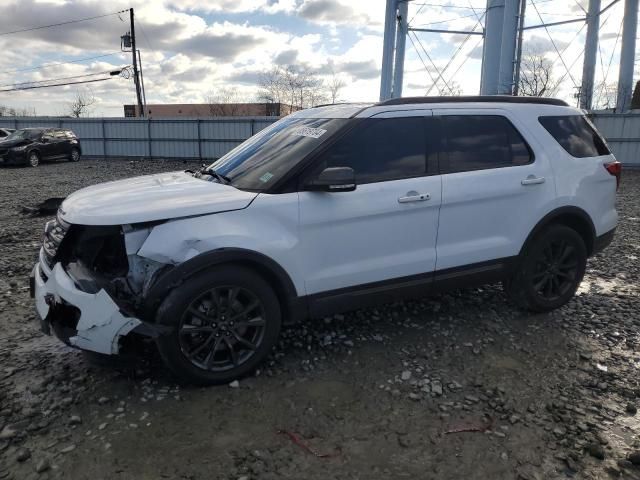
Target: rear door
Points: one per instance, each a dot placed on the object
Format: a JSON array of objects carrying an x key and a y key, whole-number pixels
[
  {"x": 387, "y": 228},
  {"x": 48, "y": 146},
  {"x": 495, "y": 186}
]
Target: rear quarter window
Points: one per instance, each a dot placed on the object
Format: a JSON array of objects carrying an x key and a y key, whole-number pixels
[{"x": 576, "y": 135}]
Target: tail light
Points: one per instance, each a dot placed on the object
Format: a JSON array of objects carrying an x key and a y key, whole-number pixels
[{"x": 615, "y": 169}]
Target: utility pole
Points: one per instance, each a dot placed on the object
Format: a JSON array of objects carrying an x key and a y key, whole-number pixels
[
  {"x": 136, "y": 75},
  {"x": 386, "y": 75},
  {"x": 508, "y": 47},
  {"x": 590, "y": 55},
  {"x": 401, "y": 40},
  {"x": 494, "y": 25},
  {"x": 516, "y": 76},
  {"x": 627, "y": 55}
]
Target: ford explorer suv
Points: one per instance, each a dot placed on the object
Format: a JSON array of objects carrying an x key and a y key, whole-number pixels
[
  {"x": 32, "y": 146},
  {"x": 327, "y": 210}
]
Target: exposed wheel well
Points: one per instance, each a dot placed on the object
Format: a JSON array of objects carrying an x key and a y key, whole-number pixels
[
  {"x": 292, "y": 307},
  {"x": 573, "y": 218},
  {"x": 275, "y": 282}
]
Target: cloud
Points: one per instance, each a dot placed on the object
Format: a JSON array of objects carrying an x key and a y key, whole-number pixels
[
  {"x": 365, "y": 69},
  {"x": 286, "y": 57}
]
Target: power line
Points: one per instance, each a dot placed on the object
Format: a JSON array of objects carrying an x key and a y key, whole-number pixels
[
  {"x": 479, "y": 22},
  {"x": 56, "y": 79},
  {"x": 433, "y": 81},
  {"x": 57, "y": 84},
  {"x": 61, "y": 23},
  {"x": 443, "y": 6},
  {"x": 603, "y": 86},
  {"x": 554, "y": 43},
  {"x": 432, "y": 63},
  {"x": 448, "y": 20},
  {"x": 46, "y": 65}
]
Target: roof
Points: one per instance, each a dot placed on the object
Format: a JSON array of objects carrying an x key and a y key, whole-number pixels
[
  {"x": 475, "y": 99},
  {"x": 337, "y": 110},
  {"x": 350, "y": 110}
]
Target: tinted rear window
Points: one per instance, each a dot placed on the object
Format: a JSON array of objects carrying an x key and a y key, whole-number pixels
[
  {"x": 477, "y": 142},
  {"x": 576, "y": 135}
]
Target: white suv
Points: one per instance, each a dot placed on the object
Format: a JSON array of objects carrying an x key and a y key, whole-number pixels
[{"x": 330, "y": 209}]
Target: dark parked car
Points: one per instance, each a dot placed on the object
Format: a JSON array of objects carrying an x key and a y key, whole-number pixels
[{"x": 30, "y": 146}]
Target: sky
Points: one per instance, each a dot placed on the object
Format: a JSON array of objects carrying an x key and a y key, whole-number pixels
[{"x": 192, "y": 49}]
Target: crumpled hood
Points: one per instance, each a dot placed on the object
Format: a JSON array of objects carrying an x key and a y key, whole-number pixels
[{"x": 151, "y": 197}]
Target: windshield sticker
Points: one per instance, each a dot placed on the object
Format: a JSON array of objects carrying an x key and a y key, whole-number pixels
[
  {"x": 266, "y": 177},
  {"x": 309, "y": 132}
]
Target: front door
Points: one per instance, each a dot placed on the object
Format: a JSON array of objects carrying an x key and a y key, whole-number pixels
[{"x": 385, "y": 229}]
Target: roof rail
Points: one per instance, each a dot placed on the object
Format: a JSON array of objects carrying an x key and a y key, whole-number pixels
[{"x": 476, "y": 98}]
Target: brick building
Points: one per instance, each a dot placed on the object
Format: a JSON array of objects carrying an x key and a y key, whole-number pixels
[{"x": 212, "y": 110}]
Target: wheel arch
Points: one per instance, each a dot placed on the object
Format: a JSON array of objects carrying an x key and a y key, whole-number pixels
[
  {"x": 293, "y": 307},
  {"x": 573, "y": 217}
]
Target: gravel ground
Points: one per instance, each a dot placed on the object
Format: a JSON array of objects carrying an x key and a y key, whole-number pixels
[{"x": 459, "y": 385}]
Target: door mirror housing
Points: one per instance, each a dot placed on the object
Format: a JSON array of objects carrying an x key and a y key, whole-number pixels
[
  {"x": 44, "y": 139},
  {"x": 333, "y": 179}
]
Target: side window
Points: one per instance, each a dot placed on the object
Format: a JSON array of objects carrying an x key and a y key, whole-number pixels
[
  {"x": 381, "y": 150},
  {"x": 576, "y": 135},
  {"x": 478, "y": 142},
  {"x": 60, "y": 134}
]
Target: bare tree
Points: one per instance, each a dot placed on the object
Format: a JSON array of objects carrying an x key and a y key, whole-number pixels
[
  {"x": 536, "y": 76},
  {"x": 635, "y": 99},
  {"x": 605, "y": 95},
  {"x": 224, "y": 102},
  {"x": 16, "y": 112},
  {"x": 294, "y": 85},
  {"x": 272, "y": 86},
  {"x": 336, "y": 84},
  {"x": 82, "y": 103}
]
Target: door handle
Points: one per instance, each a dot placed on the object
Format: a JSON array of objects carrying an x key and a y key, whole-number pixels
[
  {"x": 414, "y": 197},
  {"x": 532, "y": 180}
]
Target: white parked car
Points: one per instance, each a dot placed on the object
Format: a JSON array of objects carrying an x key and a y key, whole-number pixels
[{"x": 330, "y": 209}]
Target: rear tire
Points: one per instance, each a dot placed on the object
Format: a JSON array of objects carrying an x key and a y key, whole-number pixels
[
  {"x": 33, "y": 159},
  {"x": 75, "y": 155},
  {"x": 224, "y": 323},
  {"x": 550, "y": 270}
]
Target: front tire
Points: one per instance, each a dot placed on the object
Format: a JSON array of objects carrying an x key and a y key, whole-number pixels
[
  {"x": 33, "y": 159},
  {"x": 550, "y": 271},
  {"x": 223, "y": 324}
]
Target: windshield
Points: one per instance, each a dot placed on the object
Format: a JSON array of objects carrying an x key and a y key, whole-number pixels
[
  {"x": 265, "y": 158},
  {"x": 21, "y": 134}
]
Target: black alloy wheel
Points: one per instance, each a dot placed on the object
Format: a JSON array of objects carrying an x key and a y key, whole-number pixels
[
  {"x": 33, "y": 159},
  {"x": 222, "y": 324},
  {"x": 555, "y": 269},
  {"x": 222, "y": 328},
  {"x": 549, "y": 271}
]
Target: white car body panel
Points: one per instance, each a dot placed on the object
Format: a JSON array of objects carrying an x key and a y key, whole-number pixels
[
  {"x": 149, "y": 198},
  {"x": 269, "y": 227}
]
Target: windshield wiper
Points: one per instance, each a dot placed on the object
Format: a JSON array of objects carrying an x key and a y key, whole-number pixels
[{"x": 220, "y": 177}]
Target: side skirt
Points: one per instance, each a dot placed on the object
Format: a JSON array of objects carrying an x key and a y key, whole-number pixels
[{"x": 415, "y": 286}]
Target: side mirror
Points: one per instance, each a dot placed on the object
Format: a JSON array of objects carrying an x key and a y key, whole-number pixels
[
  {"x": 44, "y": 139},
  {"x": 333, "y": 179}
]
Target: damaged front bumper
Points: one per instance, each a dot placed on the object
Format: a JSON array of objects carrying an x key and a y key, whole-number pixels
[{"x": 89, "y": 321}]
